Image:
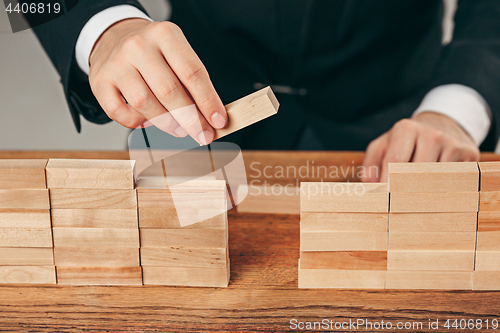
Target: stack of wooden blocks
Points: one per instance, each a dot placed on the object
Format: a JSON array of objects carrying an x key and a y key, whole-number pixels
[
  {"x": 25, "y": 231},
  {"x": 487, "y": 271},
  {"x": 94, "y": 220},
  {"x": 432, "y": 225},
  {"x": 184, "y": 253},
  {"x": 343, "y": 235}
]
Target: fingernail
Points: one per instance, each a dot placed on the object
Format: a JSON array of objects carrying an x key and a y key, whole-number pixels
[
  {"x": 205, "y": 137},
  {"x": 218, "y": 120},
  {"x": 179, "y": 131}
]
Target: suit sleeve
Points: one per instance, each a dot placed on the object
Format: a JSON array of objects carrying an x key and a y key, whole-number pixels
[
  {"x": 472, "y": 58},
  {"x": 58, "y": 38}
]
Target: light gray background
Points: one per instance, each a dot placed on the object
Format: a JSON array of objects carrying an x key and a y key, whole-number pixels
[{"x": 33, "y": 111}]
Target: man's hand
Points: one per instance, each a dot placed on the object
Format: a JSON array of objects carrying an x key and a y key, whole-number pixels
[
  {"x": 151, "y": 66},
  {"x": 429, "y": 137}
]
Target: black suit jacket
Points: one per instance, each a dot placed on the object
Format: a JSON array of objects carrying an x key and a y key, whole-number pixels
[{"x": 364, "y": 63}]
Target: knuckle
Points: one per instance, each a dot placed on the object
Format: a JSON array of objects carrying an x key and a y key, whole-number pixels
[
  {"x": 194, "y": 73},
  {"x": 192, "y": 123},
  {"x": 134, "y": 42},
  {"x": 167, "y": 28},
  {"x": 168, "y": 91},
  {"x": 140, "y": 100},
  {"x": 406, "y": 124}
]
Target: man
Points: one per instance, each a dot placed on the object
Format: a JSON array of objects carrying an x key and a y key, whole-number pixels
[{"x": 349, "y": 74}]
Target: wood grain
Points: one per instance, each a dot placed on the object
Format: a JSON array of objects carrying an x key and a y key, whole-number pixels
[
  {"x": 187, "y": 276},
  {"x": 26, "y": 256},
  {"x": 444, "y": 280},
  {"x": 315, "y": 221},
  {"x": 343, "y": 241},
  {"x": 488, "y": 221},
  {"x": 24, "y": 199},
  {"x": 28, "y": 274},
  {"x": 344, "y": 260},
  {"x": 249, "y": 110},
  {"x": 159, "y": 218},
  {"x": 188, "y": 238},
  {"x": 62, "y": 198},
  {"x": 344, "y": 197},
  {"x": 433, "y": 177},
  {"x": 486, "y": 280},
  {"x": 25, "y": 237},
  {"x": 184, "y": 257},
  {"x": 432, "y": 241},
  {"x": 25, "y": 218},
  {"x": 96, "y": 257},
  {"x": 430, "y": 260},
  {"x": 488, "y": 241},
  {"x": 488, "y": 261},
  {"x": 268, "y": 199},
  {"x": 450, "y": 202},
  {"x": 89, "y": 276},
  {"x": 489, "y": 201},
  {"x": 96, "y": 237},
  {"x": 433, "y": 222},
  {"x": 95, "y": 218},
  {"x": 490, "y": 176},
  {"x": 22, "y": 174}
]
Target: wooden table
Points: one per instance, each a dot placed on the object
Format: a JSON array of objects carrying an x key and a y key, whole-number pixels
[{"x": 262, "y": 295}]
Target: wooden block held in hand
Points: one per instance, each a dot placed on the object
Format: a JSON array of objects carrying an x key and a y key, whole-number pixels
[
  {"x": 217, "y": 276},
  {"x": 490, "y": 176},
  {"x": 25, "y": 218},
  {"x": 488, "y": 241},
  {"x": 24, "y": 199},
  {"x": 489, "y": 201},
  {"x": 344, "y": 197},
  {"x": 433, "y": 177},
  {"x": 25, "y": 237},
  {"x": 26, "y": 256},
  {"x": 188, "y": 238},
  {"x": 96, "y": 174},
  {"x": 249, "y": 110},
  {"x": 488, "y": 221},
  {"x": 96, "y": 237},
  {"x": 430, "y": 260},
  {"x": 486, "y": 280},
  {"x": 488, "y": 261},
  {"x": 268, "y": 199},
  {"x": 341, "y": 279},
  {"x": 91, "y": 276},
  {"x": 28, "y": 274},
  {"x": 95, "y": 218},
  {"x": 449, "y": 202},
  {"x": 442, "y": 280},
  {"x": 432, "y": 241},
  {"x": 343, "y": 241},
  {"x": 433, "y": 222},
  {"x": 22, "y": 174},
  {"x": 347, "y": 260},
  {"x": 315, "y": 221},
  {"x": 67, "y": 198},
  {"x": 183, "y": 257},
  {"x": 96, "y": 257}
]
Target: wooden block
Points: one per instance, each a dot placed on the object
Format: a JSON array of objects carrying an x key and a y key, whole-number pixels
[
  {"x": 96, "y": 237},
  {"x": 28, "y": 274},
  {"x": 91, "y": 276},
  {"x": 490, "y": 176},
  {"x": 96, "y": 257},
  {"x": 486, "y": 280},
  {"x": 26, "y": 256},
  {"x": 159, "y": 218},
  {"x": 488, "y": 261},
  {"x": 450, "y": 202},
  {"x": 488, "y": 221},
  {"x": 344, "y": 260},
  {"x": 268, "y": 199},
  {"x": 67, "y": 198},
  {"x": 249, "y": 110},
  {"x": 313, "y": 221},
  {"x": 489, "y": 201},
  {"x": 187, "y": 238},
  {"x": 488, "y": 241},
  {"x": 183, "y": 257},
  {"x": 24, "y": 199},
  {"x": 430, "y": 260},
  {"x": 95, "y": 218},
  {"x": 326, "y": 240},
  {"x": 444, "y": 280},
  {"x": 433, "y": 222},
  {"x": 22, "y": 174},
  {"x": 433, "y": 177},
  {"x": 96, "y": 174},
  {"x": 340, "y": 278},
  {"x": 217, "y": 276},
  {"x": 25, "y": 218},
  {"x": 432, "y": 241},
  {"x": 344, "y": 197},
  {"x": 25, "y": 237}
]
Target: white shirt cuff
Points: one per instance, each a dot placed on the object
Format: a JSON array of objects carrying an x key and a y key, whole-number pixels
[
  {"x": 462, "y": 104},
  {"x": 99, "y": 23}
]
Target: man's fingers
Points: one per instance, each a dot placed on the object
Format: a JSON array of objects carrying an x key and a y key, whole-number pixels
[
  {"x": 454, "y": 152},
  {"x": 428, "y": 148},
  {"x": 192, "y": 74},
  {"x": 373, "y": 159}
]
